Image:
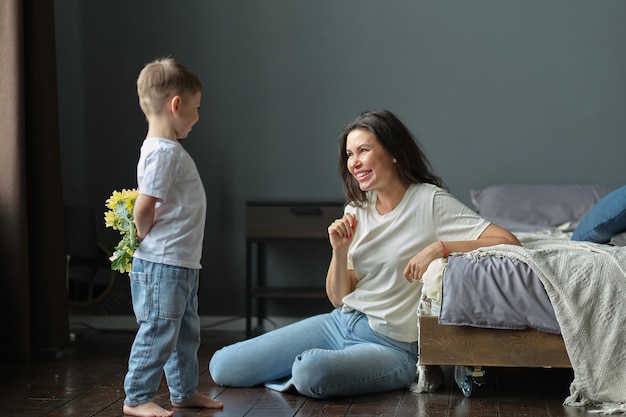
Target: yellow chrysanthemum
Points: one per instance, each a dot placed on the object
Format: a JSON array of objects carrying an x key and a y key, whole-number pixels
[
  {"x": 127, "y": 196},
  {"x": 130, "y": 196},
  {"x": 109, "y": 218},
  {"x": 112, "y": 201}
]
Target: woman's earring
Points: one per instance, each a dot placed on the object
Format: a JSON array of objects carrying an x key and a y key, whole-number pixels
[{"x": 395, "y": 161}]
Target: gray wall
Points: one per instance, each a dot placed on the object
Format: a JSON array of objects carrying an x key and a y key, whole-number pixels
[{"x": 497, "y": 91}]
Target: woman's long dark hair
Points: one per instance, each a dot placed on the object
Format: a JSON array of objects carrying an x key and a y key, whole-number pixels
[{"x": 412, "y": 164}]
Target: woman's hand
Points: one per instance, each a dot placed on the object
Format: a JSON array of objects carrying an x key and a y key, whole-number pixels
[
  {"x": 418, "y": 264},
  {"x": 492, "y": 235},
  {"x": 341, "y": 232},
  {"x": 339, "y": 280}
]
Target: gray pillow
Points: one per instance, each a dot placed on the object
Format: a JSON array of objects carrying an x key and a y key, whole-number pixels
[{"x": 522, "y": 208}]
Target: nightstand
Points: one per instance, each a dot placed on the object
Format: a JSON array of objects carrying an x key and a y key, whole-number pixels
[{"x": 270, "y": 221}]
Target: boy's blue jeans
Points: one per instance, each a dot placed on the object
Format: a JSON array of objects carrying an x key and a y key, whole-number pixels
[
  {"x": 334, "y": 354},
  {"x": 165, "y": 301}
]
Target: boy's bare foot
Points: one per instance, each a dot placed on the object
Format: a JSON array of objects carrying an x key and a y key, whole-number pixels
[
  {"x": 147, "y": 410},
  {"x": 199, "y": 401}
]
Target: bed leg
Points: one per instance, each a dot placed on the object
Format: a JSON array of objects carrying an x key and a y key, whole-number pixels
[{"x": 469, "y": 378}]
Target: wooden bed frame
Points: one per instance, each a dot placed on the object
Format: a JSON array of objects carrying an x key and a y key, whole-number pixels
[
  {"x": 473, "y": 346},
  {"x": 469, "y": 349}
]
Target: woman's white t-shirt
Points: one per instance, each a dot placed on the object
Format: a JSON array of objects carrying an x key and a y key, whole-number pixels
[
  {"x": 167, "y": 172},
  {"x": 383, "y": 245}
]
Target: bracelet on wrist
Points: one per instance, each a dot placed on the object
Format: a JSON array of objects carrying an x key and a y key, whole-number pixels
[{"x": 445, "y": 250}]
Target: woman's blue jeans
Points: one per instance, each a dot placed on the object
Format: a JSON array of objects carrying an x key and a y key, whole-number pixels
[
  {"x": 165, "y": 302},
  {"x": 334, "y": 354}
]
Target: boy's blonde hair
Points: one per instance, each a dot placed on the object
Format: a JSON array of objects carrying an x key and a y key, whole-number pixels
[{"x": 161, "y": 79}]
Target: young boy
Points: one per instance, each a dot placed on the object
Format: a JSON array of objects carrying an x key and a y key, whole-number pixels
[{"x": 169, "y": 215}]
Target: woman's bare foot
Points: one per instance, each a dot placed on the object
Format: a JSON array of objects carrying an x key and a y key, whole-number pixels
[
  {"x": 199, "y": 401},
  {"x": 147, "y": 410}
]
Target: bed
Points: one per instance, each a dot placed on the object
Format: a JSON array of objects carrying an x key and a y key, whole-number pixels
[{"x": 551, "y": 303}]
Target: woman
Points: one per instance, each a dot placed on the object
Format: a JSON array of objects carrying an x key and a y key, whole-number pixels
[{"x": 398, "y": 220}]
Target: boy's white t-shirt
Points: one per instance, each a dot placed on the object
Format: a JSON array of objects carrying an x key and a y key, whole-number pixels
[
  {"x": 383, "y": 245},
  {"x": 167, "y": 172}
]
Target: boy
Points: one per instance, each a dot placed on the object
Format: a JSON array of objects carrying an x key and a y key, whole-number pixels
[{"x": 169, "y": 214}]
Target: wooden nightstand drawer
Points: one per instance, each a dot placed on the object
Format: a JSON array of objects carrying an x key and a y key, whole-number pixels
[{"x": 302, "y": 220}]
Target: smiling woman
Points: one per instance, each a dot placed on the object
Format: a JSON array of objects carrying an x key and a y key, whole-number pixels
[{"x": 394, "y": 225}]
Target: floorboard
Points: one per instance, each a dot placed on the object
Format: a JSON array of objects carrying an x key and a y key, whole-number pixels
[{"x": 87, "y": 380}]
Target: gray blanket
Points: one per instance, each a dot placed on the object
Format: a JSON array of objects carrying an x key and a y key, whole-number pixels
[
  {"x": 586, "y": 283},
  {"x": 496, "y": 293}
]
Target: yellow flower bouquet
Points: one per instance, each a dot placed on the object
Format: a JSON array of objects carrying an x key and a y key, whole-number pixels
[{"x": 120, "y": 217}]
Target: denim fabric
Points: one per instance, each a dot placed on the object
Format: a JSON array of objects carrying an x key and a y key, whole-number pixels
[
  {"x": 334, "y": 354},
  {"x": 165, "y": 302}
]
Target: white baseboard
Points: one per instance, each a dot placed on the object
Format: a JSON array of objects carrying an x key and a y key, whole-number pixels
[{"x": 224, "y": 323}]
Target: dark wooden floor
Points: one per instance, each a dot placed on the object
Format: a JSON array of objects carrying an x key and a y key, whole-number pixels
[{"x": 87, "y": 381}]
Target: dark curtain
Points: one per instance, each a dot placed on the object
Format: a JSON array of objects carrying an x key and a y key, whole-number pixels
[{"x": 33, "y": 303}]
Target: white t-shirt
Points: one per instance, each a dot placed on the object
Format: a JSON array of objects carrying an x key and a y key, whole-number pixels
[
  {"x": 166, "y": 171},
  {"x": 383, "y": 245}
]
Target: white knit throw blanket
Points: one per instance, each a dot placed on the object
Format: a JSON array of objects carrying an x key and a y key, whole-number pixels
[{"x": 586, "y": 283}]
